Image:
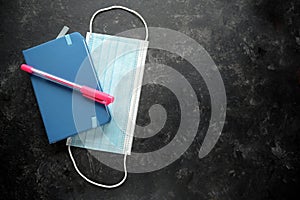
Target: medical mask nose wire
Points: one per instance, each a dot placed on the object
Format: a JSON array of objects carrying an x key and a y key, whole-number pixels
[{"x": 125, "y": 155}]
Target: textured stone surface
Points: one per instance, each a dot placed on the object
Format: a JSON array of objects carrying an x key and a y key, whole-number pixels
[{"x": 255, "y": 44}]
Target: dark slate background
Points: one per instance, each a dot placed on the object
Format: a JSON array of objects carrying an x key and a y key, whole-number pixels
[{"x": 255, "y": 44}]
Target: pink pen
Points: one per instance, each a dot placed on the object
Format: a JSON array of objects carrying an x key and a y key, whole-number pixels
[{"x": 87, "y": 92}]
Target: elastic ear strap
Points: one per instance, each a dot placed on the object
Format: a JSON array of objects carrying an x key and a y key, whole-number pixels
[
  {"x": 123, "y": 8},
  {"x": 93, "y": 182}
]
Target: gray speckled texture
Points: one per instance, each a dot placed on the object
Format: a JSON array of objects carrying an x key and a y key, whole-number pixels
[{"x": 255, "y": 44}]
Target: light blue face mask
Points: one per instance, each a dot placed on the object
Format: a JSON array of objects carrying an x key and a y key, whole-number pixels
[{"x": 119, "y": 64}]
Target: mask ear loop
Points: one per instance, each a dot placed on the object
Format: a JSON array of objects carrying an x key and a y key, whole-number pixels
[
  {"x": 93, "y": 182},
  {"x": 122, "y": 8},
  {"x": 69, "y": 142}
]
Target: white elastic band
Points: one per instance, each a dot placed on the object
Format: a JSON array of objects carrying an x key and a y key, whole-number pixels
[
  {"x": 93, "y": 182},
  {"x": 123, "y": 8}
]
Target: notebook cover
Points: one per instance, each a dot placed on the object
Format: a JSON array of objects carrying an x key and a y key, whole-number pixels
[{"x": 64, "y": 112}]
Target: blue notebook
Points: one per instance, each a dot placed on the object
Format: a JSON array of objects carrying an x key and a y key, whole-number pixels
[{"x": 65, "y": 112}]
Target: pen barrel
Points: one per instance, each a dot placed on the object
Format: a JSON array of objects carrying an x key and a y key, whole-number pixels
[
  {"x": 96, "y": 95},
  {"x": 49, "y": 77},
  {"x": 87, "y": 92}
]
